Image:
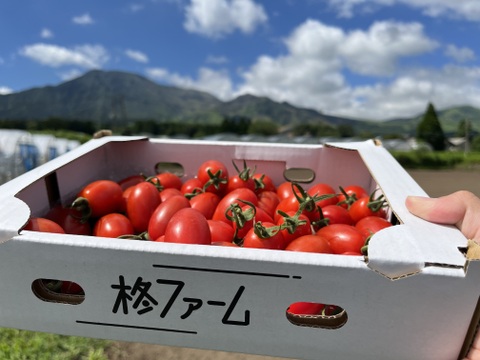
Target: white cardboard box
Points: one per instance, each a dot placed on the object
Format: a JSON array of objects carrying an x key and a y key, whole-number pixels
[{"x": 413, "y": 298}]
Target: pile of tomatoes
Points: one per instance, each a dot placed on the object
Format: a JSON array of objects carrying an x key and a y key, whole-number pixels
[{"x": 245, "y": 209}]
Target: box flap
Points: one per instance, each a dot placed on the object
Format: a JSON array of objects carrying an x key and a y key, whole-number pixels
[
  {"x": 406, "y": 249},
  {"x": 18, "y": 215}
]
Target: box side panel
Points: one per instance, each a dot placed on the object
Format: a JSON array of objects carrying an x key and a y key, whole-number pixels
[{"x": 235, "y": 305}]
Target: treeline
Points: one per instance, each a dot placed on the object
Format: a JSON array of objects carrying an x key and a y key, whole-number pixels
[{"x": 238, "y": 125}]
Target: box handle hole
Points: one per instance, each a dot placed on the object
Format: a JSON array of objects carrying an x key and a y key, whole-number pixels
[
  {"x": 300, "y": 175},
  {"x": 170, "y": 167},
  {"x": 58, "y": 291},
  {"x": 316, "y": 315}
]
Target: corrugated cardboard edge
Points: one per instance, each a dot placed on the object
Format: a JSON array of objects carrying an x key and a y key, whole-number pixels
[
  {"x": 405, "y": 249},
  {"x": 19, "y": 213}
]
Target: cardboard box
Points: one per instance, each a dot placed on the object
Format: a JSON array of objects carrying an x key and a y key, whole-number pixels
[{"x": 413, "y": 298}]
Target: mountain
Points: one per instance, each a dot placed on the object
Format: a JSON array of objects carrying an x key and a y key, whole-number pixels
[
  {"x": 114, "y": 96},
  {"x": 100, "y": 96}
]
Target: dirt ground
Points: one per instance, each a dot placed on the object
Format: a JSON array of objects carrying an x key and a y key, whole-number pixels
[{"x": 435, "y": 183}]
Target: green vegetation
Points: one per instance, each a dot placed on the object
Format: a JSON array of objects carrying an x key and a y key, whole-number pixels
[
  {"x": 430, "y": 130},
  {"x": 22, "y": 345}
]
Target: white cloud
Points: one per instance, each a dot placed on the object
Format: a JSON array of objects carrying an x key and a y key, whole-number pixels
[
  {"x": 70, "y": 74},
  {"x": 84, "y": 19},
  {"x": 85, "y": 56},
  {"x": 46, "y": 33},
  {"x": 217, "y": 18},
  {"x": 5, "y": 90},
  {"x": 460, "y": 54},
  {"x": 214, "y": 82},
  {"x": 137, "y": 55},
  {"x": 466, "y": 9}
]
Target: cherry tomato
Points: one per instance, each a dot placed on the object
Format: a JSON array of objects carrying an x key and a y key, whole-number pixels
[
  {"x": 323, "y": 191},
  {"x": 43, "y": 225},
  {"x": 343, "y": 238},
  {"x": 113, "y": 225},
  {"x": 191, "y": 186},
  {"x": 306, "y": 308},
  {"x": 141, "y": 203},
  {"x": 253, "y": 240},
  {"x": 169, "y": 192},
  {"x": 221, "y": 232},
  {"x": 248, "y": 216},
  {"x": 131, "y": 181},
  {"x": 268, "y": 201},
  {"x": 163, "y": 213},
  {"x": 206, "y": 203},
  {"x": 371, "y": 224},
  {"x": 243, "y": 179},
  {"x": 289, "y": 204},
  {"x": 285, "y": 190},
  {"x": 353, "y": 192},
  {"x": 71, "y": 220},
  {"x": 263, "y": 182},
  {"x": 188, "y": 226},
  {"x": 361, "y": 208},
  {"x": 310, "y": 243},
  {"x": 335, "y": 214},
  {"x": 103, "y": 197},
  {"x": 169, "y": 180},
  {"x": 233, "y": 197},
  {"x": 297, "y": 230},
  {"x": 213, "y": 175},
  {"x": 70, "y": 287}
]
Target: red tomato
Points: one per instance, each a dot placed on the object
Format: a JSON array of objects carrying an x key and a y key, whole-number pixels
[
  {"x": 295, "y": 229},
  {"x": 268, "y": 201},
  {"x": 206, "y": 203},
  {"x": 131, "y": 181},
  {"x": 363, "y": 208},
  {"x": 70, "y": 287},
  {"x": 310, "y": 243},
  {"x": 285, "y": 190},
  {"x": 243, "y": 179},
  {"x": 306, "y": 308},
  {"x": 192, "y": 186},
  {"x": 343, "y": 238},
  {"x": 141, "y": 203},
  {"x": 113, "y": 225},
  {"x": 163, "y": 213},
  {"x": 221, "y": 232},
  {"x": 43, "y": 225},
  {"x": 335, "y": 214},
  {"x": 188, "y": 226},
  {"x": 353, "y": 193},
  {"x": 324, "y": 191},
  {"x": 253, "y": 240},
  {"x": 371, "y": 224},
  {"x": 169, "y": 192},
  {"x": 213, "y": 175},
  {"x": 125, "y": 195},
  {"x": 286, "y": 205},
  {"x": 71, "y": 220},
  {"x": 103, "y": 197},
  {"x": 233, "y": 197},
  {"x": 169, "y": 180},
  {"x": 263, "y": 182}
]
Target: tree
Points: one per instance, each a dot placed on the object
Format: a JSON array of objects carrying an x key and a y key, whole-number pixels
[{"x": 430, "y": 130}]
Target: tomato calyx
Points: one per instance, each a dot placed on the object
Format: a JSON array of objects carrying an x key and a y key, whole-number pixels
[
  {"x": 246, "y": 173},
  {"x": 375, "y": 204},
  {"x": 155, "y": 181},
  {"x": 349, "y": 198},
  {"x": 306, "y": 201},
  {"x": 216, "y": 179},
  {"x": 81, "y": 206},
  {"x": 240, "y": 216},
  {"x": 265, "y": 232},
  {"x": 142, "y": 236},
  {"x": 291, "y": 223}
]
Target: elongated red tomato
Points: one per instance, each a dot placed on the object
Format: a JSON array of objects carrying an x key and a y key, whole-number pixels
[
  {"x": 141, "y": 203},
  {"x": 163, "y": 213},
  {"x": 188, "y": 226},
  {"x": 206, "y": 203},
  {"x": 113, "y": 225},
  {"x": 72, "y": 221},
  {"x": 251, "y": 216},
  {"x": 213, "y": 175},
  {"x": 300, "y": 226},
  {"x": 253, "y": 240},
  {"x": 371, "y": 224},
  {"x": 325, "y": 193},
  {"x": 310, "y": 243},
  {"x": 336, "y": 214},
  {"x": 233, "y": 197},
  {"x": 131, "y": 180},
  {"x": 191, "y": 186},
  {"x": 221, "y": 232},
  {"x": 169, "y": 180},
  {"x": 343, "y": 238},
  {"x": 44, "y": 225},
  {"x": 103, "y": 197},
  {"x": 268, "y": 201},
  {"x": 169, "y": 192}
]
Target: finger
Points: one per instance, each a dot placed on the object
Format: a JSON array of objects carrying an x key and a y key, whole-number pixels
[{"x": 461, "y": 209}]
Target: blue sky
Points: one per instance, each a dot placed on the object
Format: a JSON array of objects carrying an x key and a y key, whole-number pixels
[{"x": 367, "y": 59}]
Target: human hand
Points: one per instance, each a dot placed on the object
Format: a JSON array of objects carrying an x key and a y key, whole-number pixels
[{"x": 461, "y": 209}]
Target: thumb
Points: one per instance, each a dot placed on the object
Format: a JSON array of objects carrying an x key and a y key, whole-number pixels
[{"x": 461, "y": 208}]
